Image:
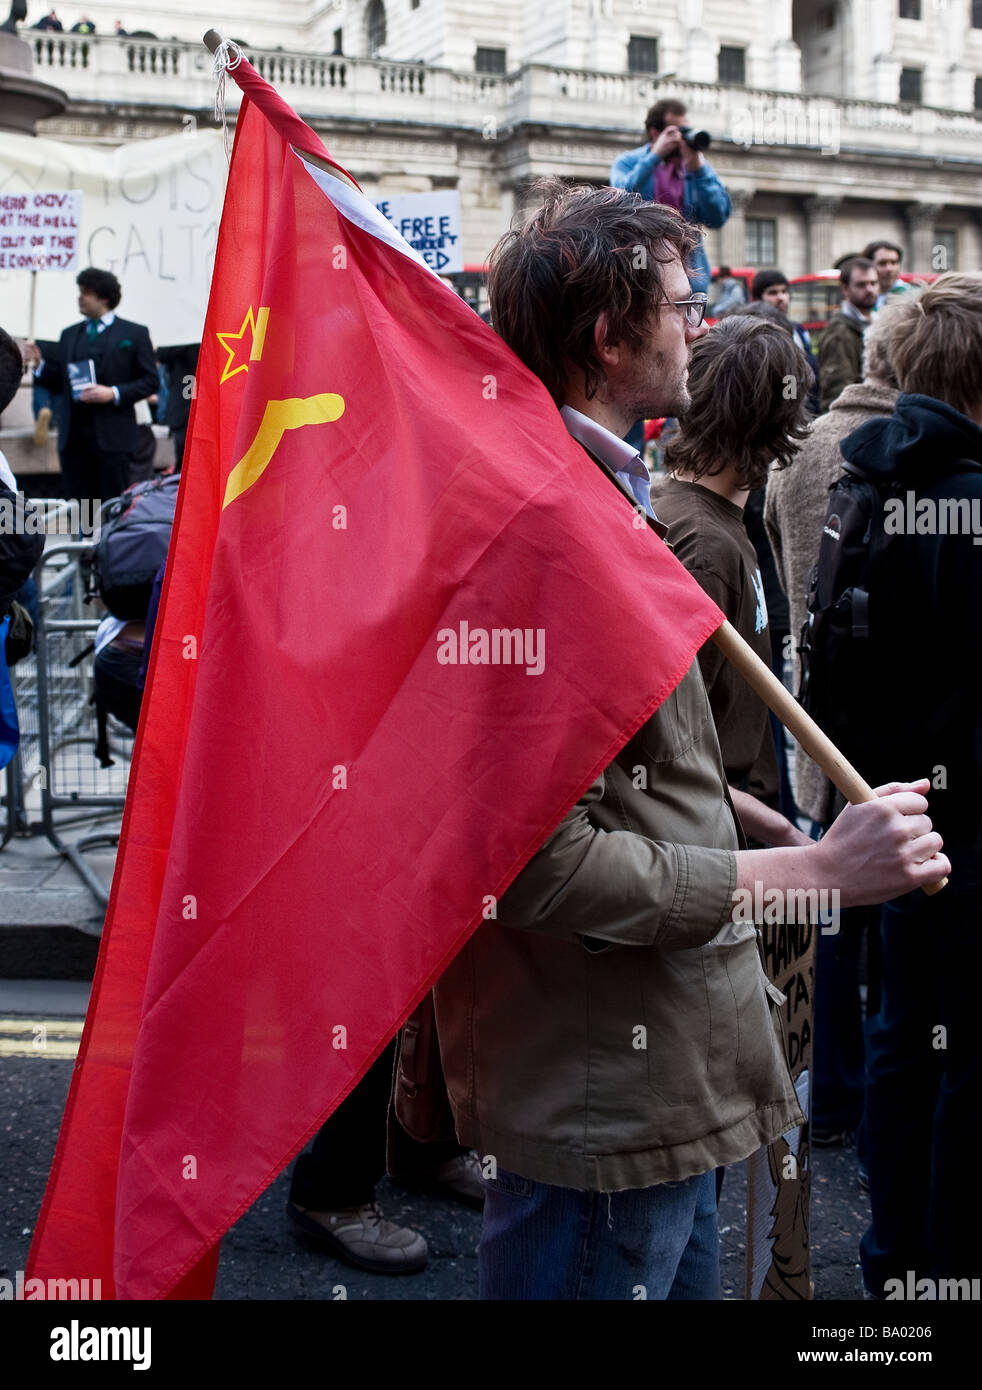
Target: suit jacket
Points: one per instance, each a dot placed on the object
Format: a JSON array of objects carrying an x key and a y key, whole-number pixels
[{"x": 127, "y": 362}]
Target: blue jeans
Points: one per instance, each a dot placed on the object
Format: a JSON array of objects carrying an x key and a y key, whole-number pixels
[
  {"x": 544, "y": 1242},
  {"x": 924, "y": 1080}
]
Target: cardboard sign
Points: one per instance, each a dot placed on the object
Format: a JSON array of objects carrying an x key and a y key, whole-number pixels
[
  {"x": 430, "y": 222},
  {"x": 148, "y": 210},
  {"x": 778, "y": 1177},
  {"x": 40, "y": 230}
]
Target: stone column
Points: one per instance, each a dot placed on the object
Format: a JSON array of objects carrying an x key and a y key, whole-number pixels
[
  {"x": 780, "y": 56},
  {"x": 921, "y": 218},
  {"x": 23, "y": 98},
  {"x": 820, "y": 220},
  {"x": 697, "y": 60},
  {"x": 733, "y": 233}
]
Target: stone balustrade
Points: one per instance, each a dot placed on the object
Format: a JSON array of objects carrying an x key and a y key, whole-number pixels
[{"x": 174, "y": 73}]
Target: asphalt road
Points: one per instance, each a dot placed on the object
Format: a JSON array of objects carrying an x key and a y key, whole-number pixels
[{"x": 262, "y": 1259}]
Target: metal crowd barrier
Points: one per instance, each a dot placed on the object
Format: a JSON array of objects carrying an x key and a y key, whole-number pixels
[{"x": 56, "y": 782}]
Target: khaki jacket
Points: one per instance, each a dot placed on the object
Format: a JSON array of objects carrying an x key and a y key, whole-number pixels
[
  {"x": 840, "y": 356},
  {"x": 612, "y": 1028}
]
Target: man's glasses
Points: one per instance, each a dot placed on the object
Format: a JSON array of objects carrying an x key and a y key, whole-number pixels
[{"x": 695, "y": 308}]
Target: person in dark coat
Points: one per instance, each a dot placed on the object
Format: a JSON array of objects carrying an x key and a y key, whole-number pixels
[
  {"x": 180, "y": 363},
  {"x": 102, "y": 428},
  {"x": 21, "y": 545},
  {"x": 925, "y": 635},
  {"x": 840, "y": 351}
]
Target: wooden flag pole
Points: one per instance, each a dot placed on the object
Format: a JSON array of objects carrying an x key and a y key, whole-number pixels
[{"x": 817, "y": 745}]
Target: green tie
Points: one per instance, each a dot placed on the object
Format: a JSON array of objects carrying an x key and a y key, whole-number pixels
[{"x": 92, "y": 329}]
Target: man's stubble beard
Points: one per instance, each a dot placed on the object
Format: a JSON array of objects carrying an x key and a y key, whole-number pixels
[{"x": 662, "y": 392}]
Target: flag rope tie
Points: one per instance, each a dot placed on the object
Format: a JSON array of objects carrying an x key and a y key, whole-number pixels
[{"x": 224, "y": 63}]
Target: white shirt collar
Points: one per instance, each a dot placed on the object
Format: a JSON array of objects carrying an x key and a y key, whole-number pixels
[{"x": 616, "y": 453}]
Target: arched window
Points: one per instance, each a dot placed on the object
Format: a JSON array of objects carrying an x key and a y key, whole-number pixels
[{"x": 375, "y": 27}]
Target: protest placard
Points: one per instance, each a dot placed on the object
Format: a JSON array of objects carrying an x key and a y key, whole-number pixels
[
  {"x": 39, "y": 230},
  {"x": 430, "y": 222}
]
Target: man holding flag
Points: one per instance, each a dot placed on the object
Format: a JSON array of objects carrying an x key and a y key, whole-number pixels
[
  {"x": 611, "y": 1037},
  {"x": 406, "y": 626}
]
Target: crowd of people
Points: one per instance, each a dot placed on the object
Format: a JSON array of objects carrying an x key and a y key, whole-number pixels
[
  {"x": 609, "y": 1186},
  {"x": 601, "y": 1186},
  {"x": 607, "y": 1159}
]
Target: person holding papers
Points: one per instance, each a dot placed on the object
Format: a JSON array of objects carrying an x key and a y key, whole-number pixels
[{"x": 105, "y": 365}]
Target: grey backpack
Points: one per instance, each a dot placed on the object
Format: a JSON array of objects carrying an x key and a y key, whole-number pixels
[{"x": 136, "y": 530}]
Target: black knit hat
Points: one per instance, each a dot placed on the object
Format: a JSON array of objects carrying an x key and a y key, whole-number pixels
[{"x": 764, "y": 279}]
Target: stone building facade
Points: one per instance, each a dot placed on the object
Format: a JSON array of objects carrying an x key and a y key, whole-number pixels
[{"x": 802, "y": 97}]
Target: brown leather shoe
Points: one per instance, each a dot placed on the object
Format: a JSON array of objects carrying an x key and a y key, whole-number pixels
[{"x": 362, "y": 1237}]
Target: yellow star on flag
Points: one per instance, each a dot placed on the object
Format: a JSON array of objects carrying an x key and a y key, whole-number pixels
[{"x": 236, "y": 343}]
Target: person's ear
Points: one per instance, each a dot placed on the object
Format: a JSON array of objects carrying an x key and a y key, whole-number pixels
[{"x": 608, "y": 352}]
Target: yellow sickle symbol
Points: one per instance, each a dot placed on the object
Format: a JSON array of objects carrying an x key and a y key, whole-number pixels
[{"x": 278, "y": 417}]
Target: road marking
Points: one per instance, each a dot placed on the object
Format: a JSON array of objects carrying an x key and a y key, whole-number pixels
[
  {"x": 27, "y": 1025},
  {"x": 52, "y": 1048},
  {"x": 25, "y": 1037}
]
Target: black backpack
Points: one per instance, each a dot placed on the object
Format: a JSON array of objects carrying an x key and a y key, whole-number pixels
[
  {"x": 838, "y": 668},
  {"x": 136, "y": 530},
  {"x": 851, "y": 614}
]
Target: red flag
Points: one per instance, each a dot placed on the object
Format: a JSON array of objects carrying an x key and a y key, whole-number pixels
[{"x": 406, "y": 621}]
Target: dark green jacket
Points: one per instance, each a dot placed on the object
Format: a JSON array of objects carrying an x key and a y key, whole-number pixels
[{"x": 840, "y": 356}]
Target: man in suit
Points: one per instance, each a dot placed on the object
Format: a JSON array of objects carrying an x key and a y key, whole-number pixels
[
  {"x": 180, "y": 364},
  {"x": 102, "y": 428}
]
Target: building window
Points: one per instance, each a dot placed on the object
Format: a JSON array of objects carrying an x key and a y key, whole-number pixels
[
  {"x": 761, "y": 240},
  {"x": 910, "y": 85},
  {"x": 827, "y": 17},
  {"x": 337, "y": 42},
  {"x": 375, "y": 28},
  {"x": 910, "y": 9},
  {"x": 944, "y": 249},
  {"x": 978, "y": 94},
  {"x": 490, "y": 60},
  {"x": 642, "y": 54},
  {"x": 977, "y": 14},
  {"x": 732, "y": 66},
  {"x": 414, "y": 4}
]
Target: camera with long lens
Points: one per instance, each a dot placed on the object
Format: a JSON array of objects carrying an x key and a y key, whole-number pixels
[{"x": 695, "y": 139}]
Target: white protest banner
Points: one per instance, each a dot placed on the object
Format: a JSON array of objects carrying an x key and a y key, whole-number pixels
[
  {"x": 40, "y": 230},
  {"x": 149, "y": 213},
  {"x": 430, "y": 222}
]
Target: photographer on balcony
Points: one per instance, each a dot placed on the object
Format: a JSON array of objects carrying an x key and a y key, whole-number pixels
[{"x": 671, "y": 170}]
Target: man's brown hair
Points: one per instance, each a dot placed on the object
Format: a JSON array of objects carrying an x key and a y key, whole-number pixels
[
  {"x": 657, "y": 118},
  {"x": 936, "y": 347},
  {"x": 870, "y": 251},
  {"x": 584, "y": 252},
  {"x": 853, "y": 263},
  {"x": 749, "y": 383}
]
